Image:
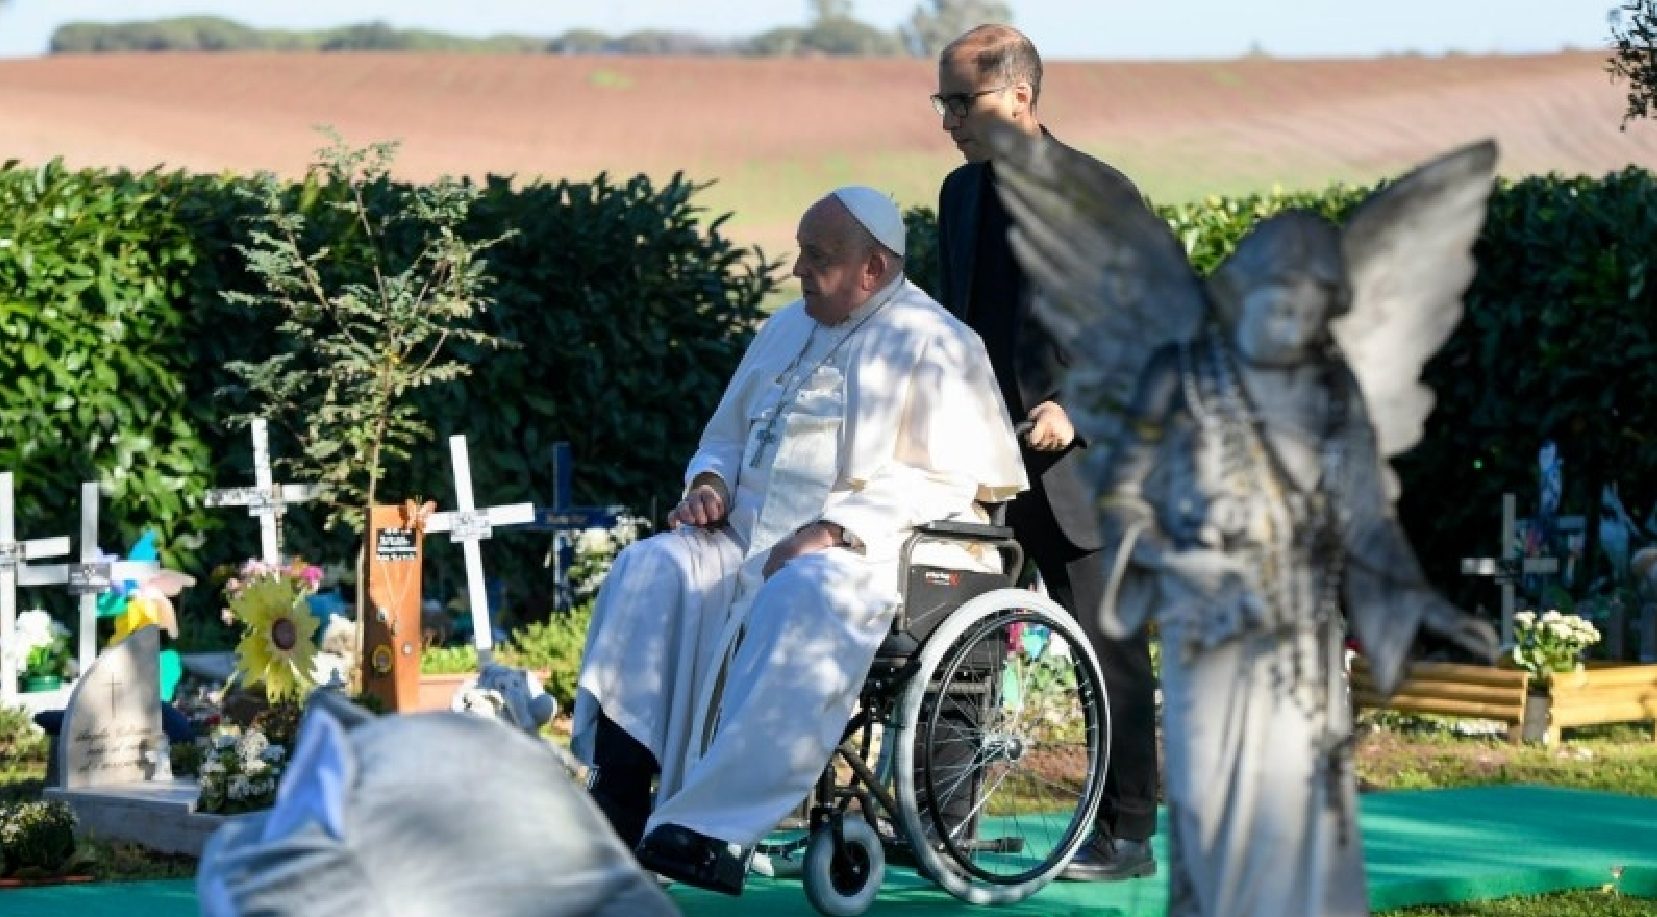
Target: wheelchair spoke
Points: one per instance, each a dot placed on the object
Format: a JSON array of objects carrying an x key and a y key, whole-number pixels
[{"x": 1011, "y": 741}]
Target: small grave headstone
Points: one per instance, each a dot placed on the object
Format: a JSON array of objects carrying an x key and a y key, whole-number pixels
[{"x": 111, "y": 733}]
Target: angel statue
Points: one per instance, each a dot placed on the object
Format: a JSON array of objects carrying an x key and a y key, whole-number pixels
[{"x": 1245, "y": 497}]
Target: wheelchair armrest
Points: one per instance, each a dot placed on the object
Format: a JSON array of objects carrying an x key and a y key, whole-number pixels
[{"x": 966, "y": 531}]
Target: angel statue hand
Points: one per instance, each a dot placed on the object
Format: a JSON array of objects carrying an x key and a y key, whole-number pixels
[
  {"x": 1475, "y": 635},
  {"x": 1211, "y": 574}
]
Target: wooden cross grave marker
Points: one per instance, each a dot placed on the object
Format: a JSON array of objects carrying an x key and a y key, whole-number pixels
[
  {"x": 14, "y": 572},
  {"x": 1508, "y": 565},
  {"x": 470, "y": 525},
  {"x": 265, "y": 500}
]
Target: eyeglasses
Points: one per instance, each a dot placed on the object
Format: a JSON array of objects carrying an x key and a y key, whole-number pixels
[{"x": 959, "y": 103}]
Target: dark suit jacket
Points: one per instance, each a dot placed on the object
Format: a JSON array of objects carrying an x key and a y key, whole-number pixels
[{"x": 982, "y": 284}]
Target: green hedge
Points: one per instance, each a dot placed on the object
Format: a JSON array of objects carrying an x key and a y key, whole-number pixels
[
  {"x": 1558, "y": 343},
  {"x": 632, "y": 313},
  {"x": 632, "y": 310}
]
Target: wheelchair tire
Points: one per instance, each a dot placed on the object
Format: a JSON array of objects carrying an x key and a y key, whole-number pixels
[
  {"x": 1076, "y": 734},
  {"x": 843, "y": 882}
]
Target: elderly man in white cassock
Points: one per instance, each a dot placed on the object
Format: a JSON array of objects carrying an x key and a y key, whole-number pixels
[{"x": 858, "y": 412}]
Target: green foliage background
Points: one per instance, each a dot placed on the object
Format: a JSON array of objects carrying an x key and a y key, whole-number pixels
[
  {"x": 1559, "y": 342},
  {"x": 631, "y": 306}
]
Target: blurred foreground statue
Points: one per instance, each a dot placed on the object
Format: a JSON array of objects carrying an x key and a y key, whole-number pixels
[
  {"x": 1245, "y": 498},
  {"x": 427, "y": 814}
]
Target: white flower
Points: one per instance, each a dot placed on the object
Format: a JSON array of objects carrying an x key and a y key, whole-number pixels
[
  {"x": 252, "y": 745},
  {"x": 1524, "y": 618},
  {"x": 1551, "y": 615},
  {"x": 36, "y": 628},
  {"x": 595, "y": 541}
]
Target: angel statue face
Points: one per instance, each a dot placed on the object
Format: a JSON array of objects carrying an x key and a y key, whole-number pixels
[
  {"x": 1281, "y": 319},
  {"x": 1281, "y": 287}
]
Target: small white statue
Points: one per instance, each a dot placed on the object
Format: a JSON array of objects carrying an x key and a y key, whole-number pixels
[{"x": 514, "y": 695}]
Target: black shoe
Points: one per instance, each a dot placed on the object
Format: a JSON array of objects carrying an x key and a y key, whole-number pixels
[
  {"x": 685, "y": 856},
  {"x": 619, "y": 781},
  {"x": 1108, "y": 859}
]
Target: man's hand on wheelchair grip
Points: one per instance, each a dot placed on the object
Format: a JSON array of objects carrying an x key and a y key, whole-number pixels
[{"x": 704, "y": 505}]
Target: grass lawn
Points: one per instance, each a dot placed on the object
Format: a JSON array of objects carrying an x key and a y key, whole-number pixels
[
  {"x": 1565, "y": 904},
  {"x": 1394, "y": 753}
]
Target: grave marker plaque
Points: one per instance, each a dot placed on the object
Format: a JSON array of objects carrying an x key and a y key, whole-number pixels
[{"x": 391, "y": 631}]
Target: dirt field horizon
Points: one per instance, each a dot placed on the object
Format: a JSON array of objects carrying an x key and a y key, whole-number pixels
[{"x": 776, "y": 134}]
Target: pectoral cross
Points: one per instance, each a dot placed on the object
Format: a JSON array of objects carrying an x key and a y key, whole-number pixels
[{"x": 764, "y": 439}]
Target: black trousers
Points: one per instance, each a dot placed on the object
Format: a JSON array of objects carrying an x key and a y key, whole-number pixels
[{"x": 1075, "y": 578}]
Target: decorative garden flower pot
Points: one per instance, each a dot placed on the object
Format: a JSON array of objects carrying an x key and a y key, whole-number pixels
[
  {"x": 1538, "y": 712},
  {"x": 34, "y": 683}
]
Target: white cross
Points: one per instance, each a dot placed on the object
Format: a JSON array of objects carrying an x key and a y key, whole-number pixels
[
  {"x": 1508, "y": 565},
  {"x": 469, "y": 525},
  {"x": 14, "y": 572},
  {"x": 265, "y": 499},
  {"x": 92, "y": 575}
]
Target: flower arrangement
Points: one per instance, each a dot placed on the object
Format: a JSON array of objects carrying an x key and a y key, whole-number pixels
[
  {"x": 36, "y": 838},
  {"x": 1550, "y": 643},
  {"x": 278, "y": 643},
  {"x": 239, "y": 771},
  {"x": 41, "y": 647},
  {"x": 595, "y": 550}
]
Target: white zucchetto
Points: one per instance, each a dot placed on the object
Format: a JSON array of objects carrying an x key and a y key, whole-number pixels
[{"x": 877, "y": 212}]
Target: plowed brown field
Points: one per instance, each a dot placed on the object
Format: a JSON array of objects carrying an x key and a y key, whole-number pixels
[{"x": 778, "y": 133}]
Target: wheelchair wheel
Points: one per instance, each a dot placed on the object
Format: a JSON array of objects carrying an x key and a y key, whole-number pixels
[
  {"x": 1006, "y": 716},
  {"x": 843, "y": 880}
]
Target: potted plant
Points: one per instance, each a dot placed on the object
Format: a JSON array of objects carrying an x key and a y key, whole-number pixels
[
  {"x": 43, "y": 656},
  {"x": 1545, "y": 646}
]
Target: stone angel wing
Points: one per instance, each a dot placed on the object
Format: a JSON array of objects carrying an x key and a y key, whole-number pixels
[
  {"x": 1110, "y": 279},
  {"x": 1409, "y": 259}
]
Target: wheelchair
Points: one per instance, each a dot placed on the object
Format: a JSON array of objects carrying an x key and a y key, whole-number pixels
[{"x": 978, "y": 748}]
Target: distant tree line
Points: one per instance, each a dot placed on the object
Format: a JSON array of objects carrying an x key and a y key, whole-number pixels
[{"x": 832, "y": 32}]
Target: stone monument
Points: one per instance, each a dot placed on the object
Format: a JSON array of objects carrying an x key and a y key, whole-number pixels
[{"x": 1243, "y": 423}]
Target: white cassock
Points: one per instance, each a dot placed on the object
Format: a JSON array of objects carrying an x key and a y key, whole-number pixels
[{"x": 887, "y": 420}]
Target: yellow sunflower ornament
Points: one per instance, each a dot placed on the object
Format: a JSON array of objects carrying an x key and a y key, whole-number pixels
[{"x": 278, "y": 646}]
